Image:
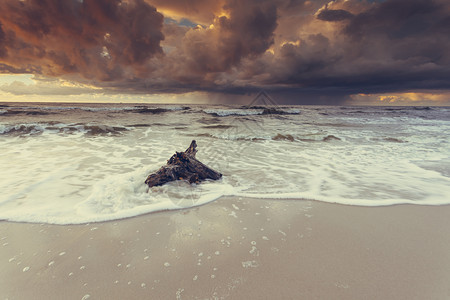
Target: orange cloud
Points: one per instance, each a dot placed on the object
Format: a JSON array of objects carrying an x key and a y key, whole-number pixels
[{"x": 437, "y": 98}]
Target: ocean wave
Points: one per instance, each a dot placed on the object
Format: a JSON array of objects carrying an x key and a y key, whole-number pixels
[
  {"x": 60, "y": 128},
  {"x": 218, "y": 126},
  {"x": 330, "y": 138},
  {"x": 278, "y": 111},
  {"x": 389, "y": 139},
  {"x": 158, "y": 110},
  {"x": 250, "y": 111},
  {"x": 45, "y": 110},
  {"x": 21, "y": 129},
  {"x": 233, "y": 112},
  {"x": 282, "y": 137},
  {"x": 288, "y": 137},
  {"x": 23, "y": 112}
]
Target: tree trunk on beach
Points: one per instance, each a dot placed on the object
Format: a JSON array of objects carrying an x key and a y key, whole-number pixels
[{"x": 183, "y": 166}]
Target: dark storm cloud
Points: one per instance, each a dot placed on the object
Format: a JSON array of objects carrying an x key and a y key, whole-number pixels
[
  {"x": 397, "y": 45},
  {"x": 297, "y": 49},
  {"x": 2, "y": 42},
  {"x": 411, "y": 41},
  {"x": 97, "y": 39},
  {"x": 201, "y": 11},
  {"x": 333, "y": 15},
  {"x": 246, "y": 30}
]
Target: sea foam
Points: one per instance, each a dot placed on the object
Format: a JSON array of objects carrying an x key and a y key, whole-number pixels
[{"x": 92, "y": 168}]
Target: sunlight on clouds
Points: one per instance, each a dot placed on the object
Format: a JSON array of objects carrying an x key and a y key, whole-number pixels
[
  {"x": 8, "y": 79},
  {"x": 26, "y": 85},
  {"x": 296, "y": 43},
  {"x": 33, "y": 88},
  {"x": 410, "y": 98}
]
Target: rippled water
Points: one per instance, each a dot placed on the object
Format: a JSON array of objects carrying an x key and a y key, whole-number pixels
[{"x": 67, "y": 163}]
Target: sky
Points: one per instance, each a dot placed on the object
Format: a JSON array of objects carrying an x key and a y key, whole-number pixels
[{"x": 358, "y": 52}]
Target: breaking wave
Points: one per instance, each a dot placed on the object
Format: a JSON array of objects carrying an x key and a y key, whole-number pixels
[
  {"x": 249, "y": 111},
  {"x": 60, "y": 128}
]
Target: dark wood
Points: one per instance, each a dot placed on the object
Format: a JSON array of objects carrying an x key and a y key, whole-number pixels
[{"x": 183, "y": 166}]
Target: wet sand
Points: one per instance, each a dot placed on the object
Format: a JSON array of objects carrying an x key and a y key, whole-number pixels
[{"x": 235, "y": 249}]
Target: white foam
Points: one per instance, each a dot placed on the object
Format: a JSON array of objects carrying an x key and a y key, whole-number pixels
[
  {"x": 70, "y": 179},
  {"x": 237, "y": 112}
]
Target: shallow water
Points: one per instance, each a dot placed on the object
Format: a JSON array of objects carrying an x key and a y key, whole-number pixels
[{"x": 79, "y": 163}]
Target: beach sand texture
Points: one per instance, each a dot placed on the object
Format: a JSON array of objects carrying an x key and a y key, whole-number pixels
[{"x": 235, "y": 248}]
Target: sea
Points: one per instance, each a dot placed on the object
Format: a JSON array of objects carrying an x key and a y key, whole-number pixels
[{"x": 66, "y": 163}]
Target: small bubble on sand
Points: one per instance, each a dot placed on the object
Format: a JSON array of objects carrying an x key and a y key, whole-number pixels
[
  {"x": 253, "y": 243},
  {"x": 195, "y": 277},
  {"x": 178, "y": 293},
  {"x": 12, "y": 259},
  {"x": 200, "y": 254},
  {"x": 71, "y": 273},
  {"x": 26, "y": 269},
  {"x": 166, "y": 264},
  {"x": 143, "y": 285},
  {"x": 250, "y": 264},
  {"x": 217, "y": 252},
  {"x": 158, "y": 233},
  {"x": 265, "y": 238},
  {"x": 213, "y": 276},
  {"x": 147, "y": 257},
  {"x": 233, "y": 214},
  {"x": 62, "y": 253},
  {"x": 282, "y": 232},
  {"x": 80, "y": 257},
  {"x": 235, "y": 206},
  {"x": 51, "y": 263},
  {"x": 94, "y": 228},
  {"x": 87, "y": 296},
  {"x": 82, "y": 267}
]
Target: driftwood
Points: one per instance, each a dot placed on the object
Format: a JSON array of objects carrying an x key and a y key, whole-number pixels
[{"x": 183, "y": 166}]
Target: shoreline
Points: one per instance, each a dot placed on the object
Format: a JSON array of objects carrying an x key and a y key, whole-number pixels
[{"x": 235, "y": 248}]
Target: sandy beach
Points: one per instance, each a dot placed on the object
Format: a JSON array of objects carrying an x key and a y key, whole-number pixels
[{"x": 235, "y": 248}]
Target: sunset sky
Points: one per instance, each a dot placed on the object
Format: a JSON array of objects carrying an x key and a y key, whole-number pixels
[{"x": 392, "y": 52}]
